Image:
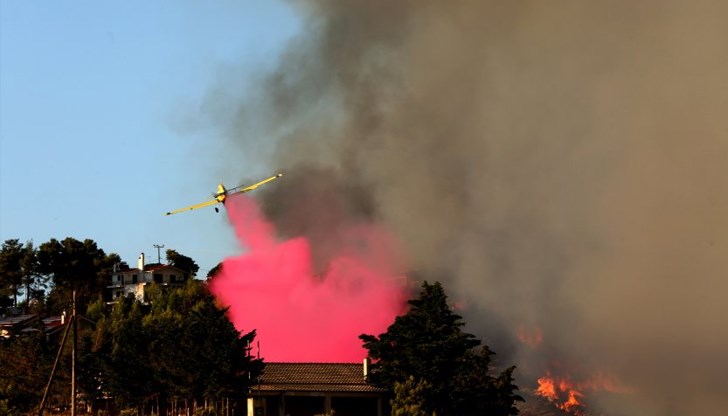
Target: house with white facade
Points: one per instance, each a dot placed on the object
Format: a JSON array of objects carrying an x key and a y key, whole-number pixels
[{"x": 126, "y": 281}]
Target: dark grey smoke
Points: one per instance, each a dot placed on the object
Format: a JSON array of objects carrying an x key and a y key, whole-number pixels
[{"x": 559, "y": 164}]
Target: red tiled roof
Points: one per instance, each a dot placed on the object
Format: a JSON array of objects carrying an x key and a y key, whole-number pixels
[
  {"x": 51, "y": 322},
  {"x": 128, "y": 271},
  {"x": 16, "y": 320},
  {"x": 156, "y": 266},
  {"x": 323, "y": 377},
  {"x": 149, "y": 268}
]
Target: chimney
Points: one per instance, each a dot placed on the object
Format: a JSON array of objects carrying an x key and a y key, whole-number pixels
[
  {"x": 365, "y": 367},
  {"x": 141, "y": 262}
]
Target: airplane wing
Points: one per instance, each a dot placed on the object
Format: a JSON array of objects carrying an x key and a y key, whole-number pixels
[
  {"x": 220, "y": 197},
  {"x": 243, "y": 189},
  {"x": 191, "y": 207}
]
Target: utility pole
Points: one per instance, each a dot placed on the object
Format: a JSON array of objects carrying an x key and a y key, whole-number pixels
[
  {"x": 71, "y": 324},
  {"x": 74, "y": 322},
  {"x": 159, "y": 256}
]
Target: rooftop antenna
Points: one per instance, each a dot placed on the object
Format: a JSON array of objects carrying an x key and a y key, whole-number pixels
[{"x": 159, "y": 256}]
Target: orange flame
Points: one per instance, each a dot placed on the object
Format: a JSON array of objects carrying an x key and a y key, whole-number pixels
[
  {"x": 572, "y": 403},
  {"x": 564, "y": 393},
  {"x": 554, "y": 389},
  {"x": 546, "y": 388},
  {"x": 568, "y": 395}
]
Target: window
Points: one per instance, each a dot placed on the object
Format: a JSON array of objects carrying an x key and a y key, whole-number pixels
[
  {"x": 158, "y": 278},
  {"x": 134, "y": 279},
  {"x": 172, "y": 278}
]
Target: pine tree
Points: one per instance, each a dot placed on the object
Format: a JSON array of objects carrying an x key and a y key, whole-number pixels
[
  {"x": 11, "y": 272},
  {"x": 428, "y": 344}
]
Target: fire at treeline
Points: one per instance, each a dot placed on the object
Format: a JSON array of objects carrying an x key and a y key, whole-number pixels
[{"x": 152, "y": 339}]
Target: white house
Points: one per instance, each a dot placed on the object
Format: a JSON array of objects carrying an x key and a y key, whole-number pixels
[{"x": 125, "y": 280}]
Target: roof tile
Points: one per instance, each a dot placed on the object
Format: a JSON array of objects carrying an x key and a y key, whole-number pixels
[{"x": 325, "y": 377}]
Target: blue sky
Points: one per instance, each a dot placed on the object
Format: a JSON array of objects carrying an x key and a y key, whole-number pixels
[{"x": 95, "y": 103}]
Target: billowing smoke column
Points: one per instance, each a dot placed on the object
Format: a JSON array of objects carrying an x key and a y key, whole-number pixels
[
  {"x": 299, "y": 316},
  {"x": 561, "y": 166}
]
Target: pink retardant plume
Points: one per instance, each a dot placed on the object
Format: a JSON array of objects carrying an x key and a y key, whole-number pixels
[{"x": 300, "y": 317}]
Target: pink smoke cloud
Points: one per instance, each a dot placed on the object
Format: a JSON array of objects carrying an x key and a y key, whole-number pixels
[{"x": 301, "y": 317}]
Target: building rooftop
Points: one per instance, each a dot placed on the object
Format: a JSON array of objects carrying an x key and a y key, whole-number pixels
[
  {"x": 320, "y": 377},
  {"x": 15, "y": 320},
  {"x": 147, "y": 268}
]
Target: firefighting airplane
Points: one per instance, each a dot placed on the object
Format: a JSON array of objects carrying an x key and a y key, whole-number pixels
[{"x": 222, "y": 194}]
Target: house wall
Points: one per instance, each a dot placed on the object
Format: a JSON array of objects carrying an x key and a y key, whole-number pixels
[
  {"x": 354, "y": 406},
  {"x": 164, "y": 276},
  {"x": 316, "y": 403},
  {"x": 124, "y": 283}
]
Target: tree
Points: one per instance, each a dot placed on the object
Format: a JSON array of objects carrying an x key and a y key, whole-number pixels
[
  {"x": 409, "y": 397},
  {"x": 428, "y": 344},
  {"x": 19, "y": 270},
  {"x": 74, "y": 265},
  {"x": 121, "y": 355},
  {"x": 210, "y": 357},
  {"x": 180, "y": 347},
  {"x": 476, "y": 392},
  {"x": 214, "y": 271},
  {"x": 11, "y": 272},
  {"x": 182, "y": 262},
  {"x": 31, "y": 279},
  {"x": 26, "y": 362}
]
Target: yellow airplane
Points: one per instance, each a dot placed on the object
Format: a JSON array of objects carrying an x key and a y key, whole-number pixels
[{"x": 222, "y": 194}]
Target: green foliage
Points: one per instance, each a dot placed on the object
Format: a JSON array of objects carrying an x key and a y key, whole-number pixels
[
  {"x": 181, "y": 347},
  {"x": 182, "y": 262},
  {"x": 205, "y": 411},
  {"x": 31, "y": 278},
  {"x": 11, "y": 271},
  {"x": 95, "y": 310},
  {"x": 428, "y": 344},
  {"x": 19, "y": 273},
  {"x": 214, "y": 271},
  {"x": 5, "y": 409},
  {"x": 409, "y": 397},
  {"x": 74, "y": 265},
  {"x": 26, "y": 363},
  {"x": 476, "y": 392}
]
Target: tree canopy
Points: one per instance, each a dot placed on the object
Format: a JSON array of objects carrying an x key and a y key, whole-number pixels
[
  {"x": 60, "y": 266},
  {"x": 74, "y": 265},
  {"x": 11, "y": 272},
  {"x": 182, "y": 262},
  {"x": 180, "y": 348},
  {"x": 18, "y": 272},
  {"x": 26, "y": 363},
  {"x": 178, "y": 345},
  {"x": 426, "y": 353}
]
